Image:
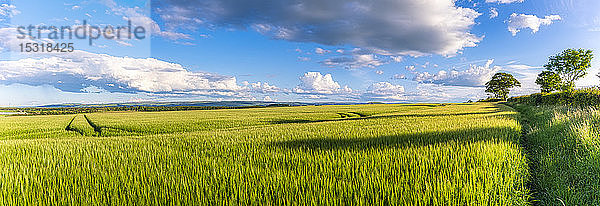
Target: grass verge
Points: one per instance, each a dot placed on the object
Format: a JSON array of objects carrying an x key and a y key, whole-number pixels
[{"x": 563, "y": 149}]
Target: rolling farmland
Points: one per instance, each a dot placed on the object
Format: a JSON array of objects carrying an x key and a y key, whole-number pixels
[{"x": 405, "y": 154}]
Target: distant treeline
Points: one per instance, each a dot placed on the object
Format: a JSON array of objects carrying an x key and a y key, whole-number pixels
[
  {"x": 79, "y": 110},
  {"x": 580, "y": 97}
]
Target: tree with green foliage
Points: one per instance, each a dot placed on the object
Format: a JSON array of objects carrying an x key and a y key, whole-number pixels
[
  {"x": 501, "y": 84},
  {"x": 549, "y": 81},
  {"x": 570, "y": 65}
]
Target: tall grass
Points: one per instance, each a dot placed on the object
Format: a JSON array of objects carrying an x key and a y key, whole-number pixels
[
  {"x": 393, "y": 154},
  {"x": 563, "y": 146}
]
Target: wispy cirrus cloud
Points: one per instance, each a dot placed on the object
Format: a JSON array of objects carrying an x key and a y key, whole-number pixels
[
  {"x": 354, "y": 61},
  {"x": 504, "y": 1}
]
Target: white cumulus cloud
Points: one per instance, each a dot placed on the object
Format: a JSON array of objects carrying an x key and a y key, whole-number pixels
[
  {"x": 516, "y": 22},
  {"x": 319, "y": 50},
  {"x": 493, "y": 13},
  {"x": 8, "y": 10},
  {"x": 10, "y": 42},
  {"x": 78, "y": 70},
  {"x": 440, "y": 93},
  {"x": 316, "y": 83},
  {"x": 397, "y": 58},
  {"x": 473, "y": 77},
  {"x": 263, "y": 87},
  {"x": 399, "y": 76},
  {"x": 385, "y": 91}
]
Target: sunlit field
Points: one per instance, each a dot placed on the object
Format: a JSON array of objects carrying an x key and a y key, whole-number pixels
[{"x": 424, "y": 154}]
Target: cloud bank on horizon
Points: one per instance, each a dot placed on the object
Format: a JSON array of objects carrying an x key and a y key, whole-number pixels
[{"x": 396, "y": 51}]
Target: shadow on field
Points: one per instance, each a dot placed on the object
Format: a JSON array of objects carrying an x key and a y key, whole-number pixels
[
  {"x": 405, "y": 140},
  {"x": 291, "y": 121}
]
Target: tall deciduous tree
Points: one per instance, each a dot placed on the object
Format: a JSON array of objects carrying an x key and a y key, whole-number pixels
[
  {"x": 500, "y": 85},
  {"x": 549, "y": 81},
  {"x": 570, "y": 65}
]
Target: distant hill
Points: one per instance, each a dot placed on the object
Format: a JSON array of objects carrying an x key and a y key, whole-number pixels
[{"x": 193, "y": 103}]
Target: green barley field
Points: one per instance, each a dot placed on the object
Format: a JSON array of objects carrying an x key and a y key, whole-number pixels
[{"x": 376, "y": 154}]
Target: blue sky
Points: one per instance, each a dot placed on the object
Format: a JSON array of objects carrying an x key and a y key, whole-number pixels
[{"x": 289, "y": 50}]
